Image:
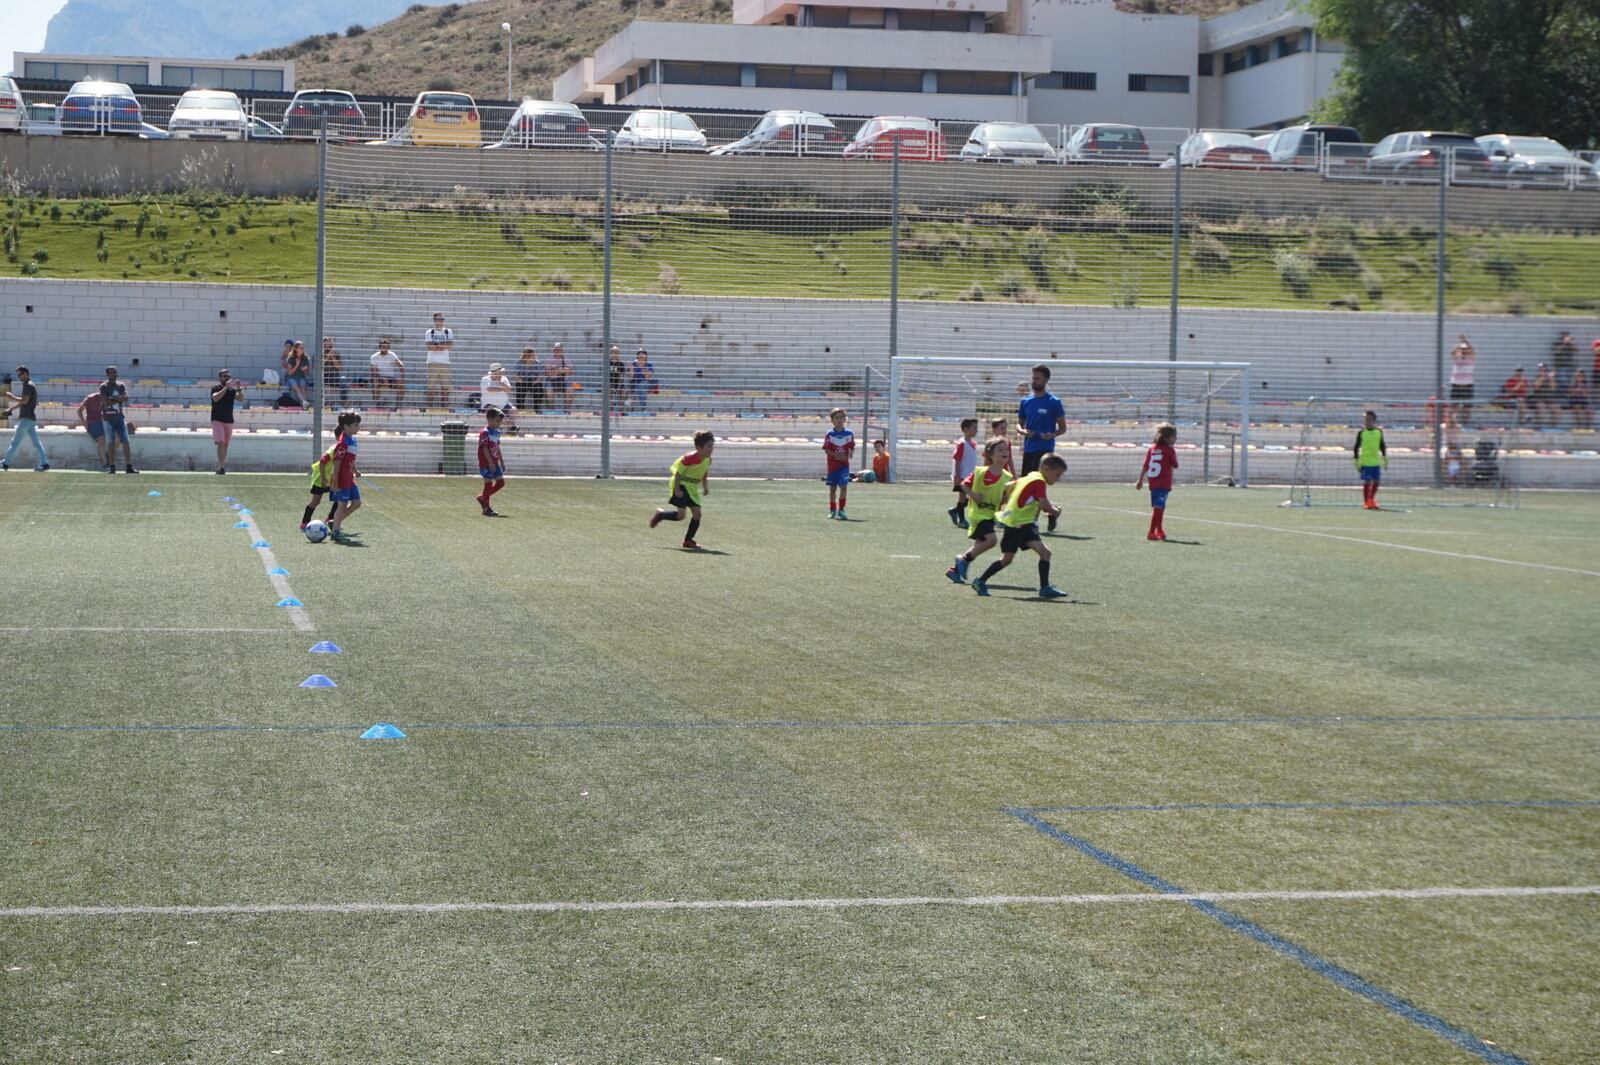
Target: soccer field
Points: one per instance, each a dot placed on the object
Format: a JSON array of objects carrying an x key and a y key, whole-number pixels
[{"x": 1296, "y": 786}]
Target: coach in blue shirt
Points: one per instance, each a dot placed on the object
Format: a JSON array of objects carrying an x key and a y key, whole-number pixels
[{"x": 1042, "y": 418}]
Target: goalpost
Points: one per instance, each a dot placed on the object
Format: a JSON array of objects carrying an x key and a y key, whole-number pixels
[
  {"x": 1477, "y": 466},
  {"x": 1112, "y": 406}
]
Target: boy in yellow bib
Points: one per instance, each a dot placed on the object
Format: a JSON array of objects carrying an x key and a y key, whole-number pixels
[
  {"x": 1372, "y": 455},
  {"x": 985, "y": 490},
  {"x": 1019, "y": 524}
]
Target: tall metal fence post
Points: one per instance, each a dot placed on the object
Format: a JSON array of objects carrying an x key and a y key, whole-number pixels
[
  {"x": 1244, "y": 428},
  {"x": 1440, "y": 267},
  {"x": 1172, "y": 305},
  {"x": 605, "y": 328},
  {"x": 322, "y": 264},
  {"x": 894, "y": 252}
]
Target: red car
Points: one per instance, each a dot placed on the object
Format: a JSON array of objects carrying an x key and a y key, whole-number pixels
[{"x": 919, "y": 140}]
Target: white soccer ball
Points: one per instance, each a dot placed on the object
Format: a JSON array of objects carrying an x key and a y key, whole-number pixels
[{"x": 316, "y": 531}]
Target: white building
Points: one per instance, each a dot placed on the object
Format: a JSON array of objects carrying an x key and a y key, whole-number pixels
[
  {"x": 179, "y": 75},
  {"x": 1059, "y": 62}
]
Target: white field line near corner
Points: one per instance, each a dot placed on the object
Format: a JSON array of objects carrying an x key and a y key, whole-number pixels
[
  {"x": 1360, "y": 540},
  {"x": 868, "y": 902},
  {"x": 280, "y": 584}
]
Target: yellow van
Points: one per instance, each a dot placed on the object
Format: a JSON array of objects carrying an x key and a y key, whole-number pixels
[{"x": 445, "y": 119}]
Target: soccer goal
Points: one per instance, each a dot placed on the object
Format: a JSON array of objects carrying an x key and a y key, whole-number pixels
[
  {"x": 1475, "y": 464},
  {"x": 1112, "y": 407}
]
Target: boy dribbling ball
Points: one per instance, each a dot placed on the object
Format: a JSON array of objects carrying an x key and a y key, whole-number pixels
[
  {"x": 491, "y": 464},
  {"x": 1372, "y": 455},
  {"x": 691, "y": 480},
  {"x": 346, "y": 496},
  {"x": 1019, "y": 524},
  {"x": 1159, "y": 462},
  {"x": 985, "y": 490},
  {"x": 322, "y": 475}
]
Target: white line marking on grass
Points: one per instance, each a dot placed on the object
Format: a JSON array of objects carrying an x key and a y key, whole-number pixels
[
  {"x": 269, "y": 562},
  {"x": 133, "y": 628},
  {"x": 1361, "y": 540},
  {"x": 869, "y": 902},
  {"x": 906, "y": 556}
]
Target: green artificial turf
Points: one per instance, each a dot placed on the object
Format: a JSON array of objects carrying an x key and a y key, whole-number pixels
[
  {"x": 1245, "y": 262},
  {"x": 594, "y": 715}
]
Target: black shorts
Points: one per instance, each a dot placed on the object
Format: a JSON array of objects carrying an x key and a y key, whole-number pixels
[
  {"x": 680, "y": 498},
  {"x": 320, "y": 490},
  {"x": 1031, "y": 460},
  {"x": 1461, "y": 392},
  {"x": 981, "y": 529},
  {"x": 1014, "y": 540}
]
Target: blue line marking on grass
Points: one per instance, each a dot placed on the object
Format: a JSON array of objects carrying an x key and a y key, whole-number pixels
[
  {"x": 1244, "y": 926},
  {"x": 1377, "y": 804},
  {"x": 823, "y": 726}
]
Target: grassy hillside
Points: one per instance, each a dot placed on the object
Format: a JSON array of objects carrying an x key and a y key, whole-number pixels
[
  {"x": 461, "y": 46},
  {"x": 708, "y": 251}
]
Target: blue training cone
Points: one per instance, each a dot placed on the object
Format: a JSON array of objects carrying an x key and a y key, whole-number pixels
[
  {"x": 289, "y": 600},
  {"x": 317, "y": 680},
  {"x": 229, "y": 499},
  {"x": 246, "y": 510},
  {"x": 277, "y": 571},
  {"x": 152, "y": 492},
  {"x": 260, "y": 543},
  {"x": 237, "y": 506},
  {"x": 241, "y": 525},
  {"x": 326, "y": 647},
  {"x": 383, "y": 731}
]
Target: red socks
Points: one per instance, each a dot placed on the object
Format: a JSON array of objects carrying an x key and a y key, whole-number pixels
[{"x": 490, "y": 489}]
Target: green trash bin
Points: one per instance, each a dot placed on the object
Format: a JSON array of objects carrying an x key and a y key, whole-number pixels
[{"x": 454, "y": 438}]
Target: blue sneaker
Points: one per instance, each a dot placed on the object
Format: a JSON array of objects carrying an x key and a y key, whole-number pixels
[
  {"x": 841, "y": 515},
  {"x": 954, "y": 575},
  {"x": 1051, "y": 592},
  {"x": 961, "y": 566},
  {"x": 981, "y": 588}
]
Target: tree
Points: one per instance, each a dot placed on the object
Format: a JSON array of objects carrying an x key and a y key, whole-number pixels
[{"x": 1479, "y": 66}]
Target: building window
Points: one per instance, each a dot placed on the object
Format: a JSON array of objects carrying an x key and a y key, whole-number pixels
[
  {"x": 1178, "y": 83},
  {"x": 1079, "y": 80},
  {"x": 975, "y": 83},
  {"x": 787, "y": 77},
  {"x": 936, "y": 21},
  {"x": 1207, "y": 64},
  {"x": 1232, "y": 62},
  {"x": 1255, "y": 55},
  {"x": 866, "y": 18},
  {"x": 268, "y": 80},
  {"x": 700, "y": 73},
  {"x": 871, "y": 79},
  {"x": 1286, "y": 46}
]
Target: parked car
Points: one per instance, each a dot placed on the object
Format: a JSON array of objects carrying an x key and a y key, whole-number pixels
[
  {"x": 445, "y": 119},
  {"x": 788, "y": 133},
  {"x": 105, "y": 107},
  {"x": 1220, "y": 149},
  {"x": 1306, "y": 145},
  {"x": 656, "y": 130},
  {"x": 1532, "y": 157},
  {"x": 42, "y": 120},
  {"x": 1007, "y": 142},
  {"x": 919, "y": 139},
  {"x": 548, "y": 124},
  {"x": 207, "y": 114},
  {"x": 1105, "y": 142},
  {"x": 310, "y": 106},
  {"x": 1426, "y": 150},
  {"x": 259, "y": 129},
  {"x": 13, "y": 110},
  {"x": 148, "y": 132}
]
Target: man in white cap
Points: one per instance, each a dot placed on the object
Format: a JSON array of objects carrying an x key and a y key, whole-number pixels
[{"x": 497, "y": 390}]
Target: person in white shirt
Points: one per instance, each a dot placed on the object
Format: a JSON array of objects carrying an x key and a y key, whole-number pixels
[
  {"x": 497, "y": 390},
  {"x": 963, "y": 460},
  {"x": 440, "y": 341},
  {"x": 388, "y": 374},
  {"x": 1462, "y": 365}
]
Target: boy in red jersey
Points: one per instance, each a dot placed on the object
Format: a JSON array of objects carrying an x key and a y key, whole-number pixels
[
  {"x": 963, "y": 460},
  {"x": 1159, "y": 462},
  {"x": 346, "y": 496},
  {"x": 838, "y": 445},
  {"x": 691, "y": 479},
  {"x": 491, "y": 465}
]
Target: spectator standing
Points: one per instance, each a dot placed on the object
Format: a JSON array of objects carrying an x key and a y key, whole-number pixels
[
  {"x": 113, "y": 399},
  {"x": 388, "y": 375},
  {"x": 440, "y": 340},
  {"x": 89, "y": 417},
  {"x": 1463, "y": 364},
  {"x": 558, "y": 371},
  {"x": 529, "y": 375},
  {"x": 644, "y": 379},
  {"x": 297, "y": 373},
  {"x": 333, "y": 374},
  {"x": 618, "y": 374},
  {"x": 1564, "y": 358},
  {"x": 1542, "y": 396},
  {"x": 25, "y": 401},
  {"x": 496, "y": 391},
  {"x": 1043, "y": 418},
  {"x": 1579, "y": 402},
  {"x": 223, "y": 393}
]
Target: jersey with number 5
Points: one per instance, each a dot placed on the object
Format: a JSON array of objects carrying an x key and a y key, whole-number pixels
[{"x": 1159, "y": 462}]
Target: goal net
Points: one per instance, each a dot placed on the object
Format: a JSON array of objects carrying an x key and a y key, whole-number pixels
[
  {"x": 1474, "y": 465},
  {"x": 1112, "y": 408}
]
